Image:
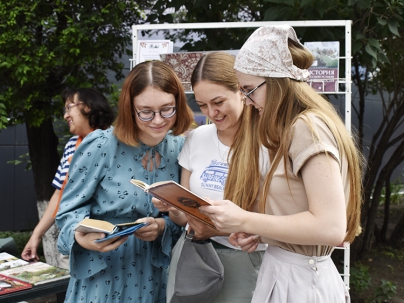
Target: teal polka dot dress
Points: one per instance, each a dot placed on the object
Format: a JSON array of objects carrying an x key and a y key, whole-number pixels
[{"x": 98, "y": 186}]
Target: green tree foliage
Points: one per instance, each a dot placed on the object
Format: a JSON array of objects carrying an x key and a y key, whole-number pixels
[
  {"x": 46, "y": 46},
  {"x": 377, "y": 60},
  {"x": 207, "y": 11}
]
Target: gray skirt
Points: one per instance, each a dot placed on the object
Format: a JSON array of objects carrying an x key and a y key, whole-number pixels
[{"x": 287, "y": 277}]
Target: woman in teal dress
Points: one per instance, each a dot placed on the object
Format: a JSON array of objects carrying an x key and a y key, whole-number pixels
[{"x": 143, "y": 145}]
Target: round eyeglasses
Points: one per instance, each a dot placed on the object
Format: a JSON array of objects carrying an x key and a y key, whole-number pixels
[
  {"x": 247, "y": 95},
  {"x": 148, "y": 115},
  {"x": 67, "y": 108}
]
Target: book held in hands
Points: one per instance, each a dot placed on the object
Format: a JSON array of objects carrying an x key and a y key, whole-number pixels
[
  {"x": 177, "y": 196},
  {"x": 88, "y": 225}
]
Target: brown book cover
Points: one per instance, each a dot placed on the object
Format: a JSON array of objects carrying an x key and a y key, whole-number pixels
[
  {"x": 178, "y": 196},
  {"x": 10, "y": 284}
]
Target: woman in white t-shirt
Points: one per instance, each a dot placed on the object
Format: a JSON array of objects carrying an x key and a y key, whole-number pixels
[{"x": 204, "y": 161}]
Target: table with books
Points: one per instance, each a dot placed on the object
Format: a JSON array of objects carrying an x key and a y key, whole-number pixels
[{"x": 20, "y": 280}]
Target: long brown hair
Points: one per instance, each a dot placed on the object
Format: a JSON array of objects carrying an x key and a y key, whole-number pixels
[
  {"x": 160, "y": 76},
  {"x": 286, "y": 101}
]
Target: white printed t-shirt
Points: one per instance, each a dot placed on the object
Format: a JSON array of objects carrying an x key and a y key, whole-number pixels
[{"x": 206, "y": 158}]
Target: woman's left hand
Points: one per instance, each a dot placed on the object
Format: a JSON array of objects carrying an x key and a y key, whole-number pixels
[
  {"x": 151, "y": 231},
  {"x": 162, "y": 206},
  {"x": 202, "y": 231},
  {"x": 87, "y": 241},
  {"x": 246, "y": 242},
  {"x": 226, "y": 215}
]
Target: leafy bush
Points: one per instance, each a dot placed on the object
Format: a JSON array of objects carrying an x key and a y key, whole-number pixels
[
  {"x": 360, "y": 278},
  {"x": 385, "y": 291}
]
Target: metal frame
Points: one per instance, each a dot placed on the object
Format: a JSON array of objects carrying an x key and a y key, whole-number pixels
[
  {"x": 323, "y": 23},
  {"x": 210, "y": 25},
  {"x": 347, "y": 248}
]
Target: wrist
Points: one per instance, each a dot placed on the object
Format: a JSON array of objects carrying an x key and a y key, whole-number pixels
[
  {"x": 176, "y": 213},
  {"x": 37, "y": 234},
  {"x": 161, "y": 225}
]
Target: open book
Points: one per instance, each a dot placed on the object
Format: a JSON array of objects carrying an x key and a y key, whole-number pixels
[
  {"x": 88, "y": 225},
  {"x": 177, "y": 196},
  {"x": 37, "y": 273},
  {"x": 8, "y": 261}
]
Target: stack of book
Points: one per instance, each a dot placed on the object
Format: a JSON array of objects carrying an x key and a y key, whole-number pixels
[{"x": 17, "y": 274}]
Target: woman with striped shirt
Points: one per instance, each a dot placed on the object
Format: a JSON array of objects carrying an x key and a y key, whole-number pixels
[{"x": 85, "y": 110}]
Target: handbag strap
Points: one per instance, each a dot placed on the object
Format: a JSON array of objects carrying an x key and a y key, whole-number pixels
[{"x": 190, "y": 235}]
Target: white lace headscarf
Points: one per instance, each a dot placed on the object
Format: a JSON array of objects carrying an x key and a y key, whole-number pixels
[{"x": 266, "y": 54}]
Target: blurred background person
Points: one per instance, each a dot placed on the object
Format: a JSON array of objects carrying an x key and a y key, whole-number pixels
[{"x": 85, "y": 110}]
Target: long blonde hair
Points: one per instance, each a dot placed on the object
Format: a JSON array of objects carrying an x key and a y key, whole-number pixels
[
  {"x": 286, "y": 101},
  {"x": 217, "y": 68}
]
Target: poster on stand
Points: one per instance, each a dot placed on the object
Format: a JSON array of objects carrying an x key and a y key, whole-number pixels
[
  {"x": 325, "y": 68},
  {"x": 148, "y": 50}
]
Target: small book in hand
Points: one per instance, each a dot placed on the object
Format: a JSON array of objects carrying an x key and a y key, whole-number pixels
[
  {"x": 177, "y": 196},
  {"x": 88, "y": 225}
]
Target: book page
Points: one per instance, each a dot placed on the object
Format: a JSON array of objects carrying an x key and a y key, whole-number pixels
[
  {"x": 142, "y": 185},
  {"x": 126, "y": 225},
  {"x": 9, "y": 261},
  {"x": 124, "y": 232},
  {"x": 88, "y": 225},
  {"x": 146, "y": 187}
]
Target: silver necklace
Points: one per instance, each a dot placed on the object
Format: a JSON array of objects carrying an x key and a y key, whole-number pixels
[{"x": 223, "y": 156}]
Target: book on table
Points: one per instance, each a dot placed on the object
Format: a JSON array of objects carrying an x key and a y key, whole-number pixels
[
  {"x": 88, "y": 225},
  {"x": 10, "y": 284},
  {"x": 36, "y": 273},
  {"x": 177, "y": 196},
  {"x": 9, "y": 261}
]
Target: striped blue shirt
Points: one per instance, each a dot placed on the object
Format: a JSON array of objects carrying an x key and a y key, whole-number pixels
[{"x": 64, "y": 164}]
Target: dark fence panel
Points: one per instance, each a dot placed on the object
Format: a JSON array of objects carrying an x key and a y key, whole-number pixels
[{"x": 17, "y": 193}]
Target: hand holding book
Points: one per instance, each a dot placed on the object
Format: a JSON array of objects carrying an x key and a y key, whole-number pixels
[
  {"x": 177, "y": 196},
  {"x": 111, "y": 231},
  {"x": 163, "y": 206}
]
